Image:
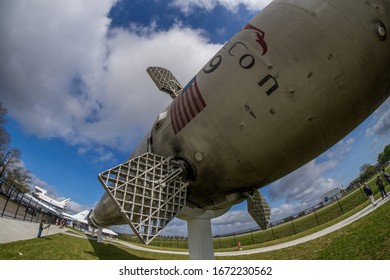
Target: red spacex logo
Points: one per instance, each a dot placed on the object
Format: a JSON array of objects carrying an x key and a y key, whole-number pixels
[{"x": 260, "y": 36}]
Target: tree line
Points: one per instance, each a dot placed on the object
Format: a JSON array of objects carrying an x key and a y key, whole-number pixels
[{"x": 11, "y": 167}]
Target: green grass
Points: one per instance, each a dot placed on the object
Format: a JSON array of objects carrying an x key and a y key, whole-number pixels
[
  {"x": 65, "y": 247},
  {"x": 75, "y": 231}
]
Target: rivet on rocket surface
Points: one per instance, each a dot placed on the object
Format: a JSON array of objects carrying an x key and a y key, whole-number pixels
[
  {"x": 198, "y": 156},
  {"x": 381, "y": 31}
]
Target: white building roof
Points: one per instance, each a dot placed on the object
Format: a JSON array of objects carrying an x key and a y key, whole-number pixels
[
  {"x": 82, "y": 218},
  {"x": 109, "y": 231}
]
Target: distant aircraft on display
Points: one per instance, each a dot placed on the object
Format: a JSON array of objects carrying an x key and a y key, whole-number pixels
[
  {"x": 294, "y": 81},
  {"x": 40, "y": 193},
  {"x": 33, "y": 204}
]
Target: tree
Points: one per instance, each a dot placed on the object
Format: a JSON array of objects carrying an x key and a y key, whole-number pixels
[
  {"x": 367, "y": 171},
  {"x": 4, "y": 136},
  {"x": 9, "y": 161},
  {"x": 384, "y": 156},
  {"x": 10, "y": 165},
  {"x": 20, "y": 177}
]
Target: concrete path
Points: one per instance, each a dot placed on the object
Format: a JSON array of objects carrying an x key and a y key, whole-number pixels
[{"x": 14, "y": 230}]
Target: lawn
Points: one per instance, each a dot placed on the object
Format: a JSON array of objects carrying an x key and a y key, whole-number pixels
[{"x": 65, "y": 247}]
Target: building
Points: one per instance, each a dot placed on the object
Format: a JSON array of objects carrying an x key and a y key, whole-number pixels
[
  {"x": 79, "y": 221},
  {"x": 331, "y": 196}
]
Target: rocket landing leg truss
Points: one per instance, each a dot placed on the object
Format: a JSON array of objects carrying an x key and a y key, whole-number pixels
[{"x": 146, "y": 198}]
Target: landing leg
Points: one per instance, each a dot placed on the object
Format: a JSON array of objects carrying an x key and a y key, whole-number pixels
[{"x": 200, "y": 239}]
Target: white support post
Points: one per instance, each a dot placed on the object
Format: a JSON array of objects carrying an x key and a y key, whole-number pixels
[
  {"x": 100, "y": 235},
  {"x": 200, "y": 239}
]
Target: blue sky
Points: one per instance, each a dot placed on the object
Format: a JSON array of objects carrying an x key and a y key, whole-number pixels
[{"x": 79, "y": 99}]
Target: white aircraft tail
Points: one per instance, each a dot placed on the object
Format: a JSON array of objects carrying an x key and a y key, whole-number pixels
[{"x": 65, "y": 201}]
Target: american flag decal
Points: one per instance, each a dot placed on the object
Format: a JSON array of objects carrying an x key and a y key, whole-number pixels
[{"x": 186, "y": 106}]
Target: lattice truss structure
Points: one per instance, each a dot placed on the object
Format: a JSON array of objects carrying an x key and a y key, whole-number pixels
[
  {"x": 146, "y": 204},
  {"x": 165, "y": 80},
  {"x": 259, "y": 209}
]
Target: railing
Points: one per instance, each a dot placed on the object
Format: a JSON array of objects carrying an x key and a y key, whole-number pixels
[{"x": 20, "y": 206}]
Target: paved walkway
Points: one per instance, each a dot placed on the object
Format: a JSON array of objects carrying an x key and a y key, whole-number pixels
[{"x": 14, "y": 230}]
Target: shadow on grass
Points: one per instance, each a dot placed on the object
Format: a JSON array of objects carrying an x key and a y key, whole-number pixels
[
  {"x": 45, "y": 238},
  {"x": 106, "y": 251}
]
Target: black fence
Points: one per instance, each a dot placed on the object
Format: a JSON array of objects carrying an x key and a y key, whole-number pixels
[{"x": 22, "y": 206}]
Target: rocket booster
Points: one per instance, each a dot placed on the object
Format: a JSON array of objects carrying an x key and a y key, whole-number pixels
[{"x": 293, "y": 82}]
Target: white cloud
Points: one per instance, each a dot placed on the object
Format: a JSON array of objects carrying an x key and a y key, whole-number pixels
[
  {"x": 45, "y": 48},
  {"x": 381, "y": 125},
  {"x": 233, "y": 221},
  {"x": 132, "y": 101},
  {"x": 304, "y": 187},
  {"x": 64, "y": 74},
  {"x": 340, "y": 149},
  {"x": 51, "y": 190},
  {"x": 230, "y": 222},
  {"x": 301, "y": 189},
  {"x": 75, "y": 207},
  {"x": 72, "y": 206},
  {"x": 122, "y": 229},
  {"x": 187, "y": 6},
  {"x": 176, "y": 227},
  {"x": 290, "y": 209}
]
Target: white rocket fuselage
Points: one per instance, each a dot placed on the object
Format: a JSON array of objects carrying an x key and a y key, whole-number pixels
[{"x": 293, "y": 82}]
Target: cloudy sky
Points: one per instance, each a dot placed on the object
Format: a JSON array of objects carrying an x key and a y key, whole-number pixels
[{"x": 79, "y": 99}]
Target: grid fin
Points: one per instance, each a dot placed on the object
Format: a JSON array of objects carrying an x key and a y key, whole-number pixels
[
  {"x": 259, "y": 209},
  {"x": 146, "y": 205},
  {"x": 165, "y": 80}
]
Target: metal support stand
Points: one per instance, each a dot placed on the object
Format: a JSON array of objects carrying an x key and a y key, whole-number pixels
[
  {"x": 200, "y": 239},
  {"x": 100, "y": 235}
]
